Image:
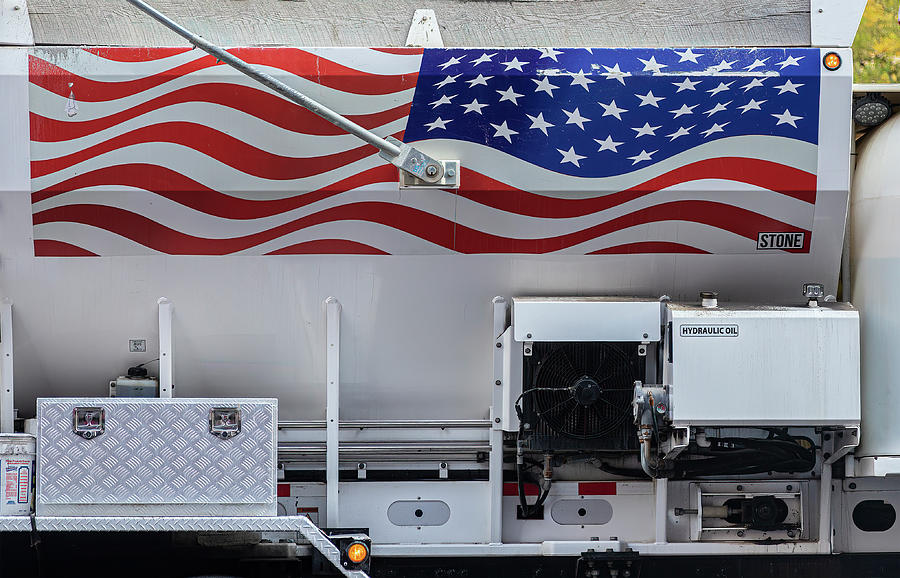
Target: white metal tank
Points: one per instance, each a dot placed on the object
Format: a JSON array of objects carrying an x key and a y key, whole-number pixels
[{"x": 875, "y": 259}]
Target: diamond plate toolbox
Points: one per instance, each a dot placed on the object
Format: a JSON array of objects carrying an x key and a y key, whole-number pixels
[{"x": 156, "y": 457}]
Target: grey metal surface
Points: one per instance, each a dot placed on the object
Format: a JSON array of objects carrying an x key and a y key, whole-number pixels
[
  {"x": 15, "y": 524},
  {"x": 157, "y": 457},
  {"x": 462, "y": 22}
]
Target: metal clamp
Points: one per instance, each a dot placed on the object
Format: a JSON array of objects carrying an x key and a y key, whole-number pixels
[
  {"x": 225, "y": 422},
  {"x": 88, "y": 422}
]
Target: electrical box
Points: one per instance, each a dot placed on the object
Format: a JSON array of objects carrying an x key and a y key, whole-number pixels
[{"x": 761, "y": 365}]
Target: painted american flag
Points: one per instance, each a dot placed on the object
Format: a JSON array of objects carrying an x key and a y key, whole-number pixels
[{"x": 605, "y": 151}]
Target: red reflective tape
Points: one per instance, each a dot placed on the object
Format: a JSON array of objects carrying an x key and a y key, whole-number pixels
[
  {"x": 597, "y": 488},
  {"x": 512, "y": 489},
  {"x": 284, "y": 490}
]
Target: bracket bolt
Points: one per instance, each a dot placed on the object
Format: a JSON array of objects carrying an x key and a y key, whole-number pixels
[
  {"x": 451, "y": 173},
  {"x": 431, "y": 170}
]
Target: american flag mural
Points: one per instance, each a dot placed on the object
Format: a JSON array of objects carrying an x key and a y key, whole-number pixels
[{"x": 605, "y": 151}]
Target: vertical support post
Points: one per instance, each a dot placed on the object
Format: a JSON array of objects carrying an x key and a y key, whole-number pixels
[
  {"x": 825, "y": 509},
  {"x": 661, "y": 485},
  {"x": 165, "y": 347},
  {"x": 332, "y": 407},
  {"x": 7, "y": 393},
  {"x": 495, "y": 464}
]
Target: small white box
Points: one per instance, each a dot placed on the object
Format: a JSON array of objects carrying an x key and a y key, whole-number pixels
[{"x": 756, "y": 365}]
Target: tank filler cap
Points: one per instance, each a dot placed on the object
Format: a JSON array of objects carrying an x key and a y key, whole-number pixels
[{"x": 709, "y": 299}]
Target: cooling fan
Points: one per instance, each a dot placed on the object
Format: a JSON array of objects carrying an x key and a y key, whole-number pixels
[{"x": 583, "y": 391}]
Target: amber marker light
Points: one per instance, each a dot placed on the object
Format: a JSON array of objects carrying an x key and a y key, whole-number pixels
[
  {"x": 357, "y": 552},
  {"x": 832, "y": 61}
]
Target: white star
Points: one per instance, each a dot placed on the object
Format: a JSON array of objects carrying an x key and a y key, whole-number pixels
[
  {"x": 514, "y": 63},
  {"x": 788, "y": 86},
  {"x": 453, "y": 60},
  {"x": 757, "y": 63},
  {"x": 570, "y": 156},
  {"x": 549, "y": 53},
  {"x": 752, "y": 84},
  {"x": 724, "y": 65},
  {"x": 543, "y": 85},
  {"x": 718, "y": 108},
  {"x": 716, "y": 127},
  {"x": 448, "y": 80},
  {"x": 581, "y": 80},
  {"x": 473, "y": 106},
  {"x": 685, "y": 109},
  {"x": 649, "y": 99},
  {"x": 789, "y": 61},
  {"x": 444, "y": 99},
  {"x": 688, "y": 55},
  {"x": 646, "y": 129},
  {"x": 612, "y": 110},
  {"x": 480, "y": 79},
  {"x": 644, "y": 156},
  {"x": 438, "y": 123},
  {"x": 615, "y": 74},
  {"x": 576, "y": 118},
  {"x": 503, "y": 131},
  {"x": 686, "y": 84},
  {"x": 652, "y": 65},
  {"x": 539, "y": 123},
  {"x": 752, "y": 105},
  {"x": 510, "y": 95},
  {"x": 485, "y": 57},
  {"x": 680, "y": 132},
  {"x": 607, "y": 145},
  {"x": 787, "y": 118},
  {"x": 721, "y": 88}
]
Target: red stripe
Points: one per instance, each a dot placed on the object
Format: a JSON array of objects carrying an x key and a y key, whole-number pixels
[
  {"x": 262, "y": 105},
  {"x": 765, "y": 174},
  {"x": 51, "y": 248},
  {"x": 188, "y": 192},
  {"x": 284, "y": 490},
  {"x": 218, "y": 145},
  {"x": 512, "y": 489},
  {"x": 415, "y": 222},
  {"x": 151, "y": 234},
  {"x": 400, "y": 50},
  {"x": 128, "y": 54},
  {"x": 291, "y": 60},
  {"x": 329, "y": 247},
  {"x": 597, "y": 488},
  {"x": 643, "y": 247}
]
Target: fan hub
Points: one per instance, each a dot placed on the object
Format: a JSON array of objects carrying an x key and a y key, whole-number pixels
[{"x": 586, "y": 391}]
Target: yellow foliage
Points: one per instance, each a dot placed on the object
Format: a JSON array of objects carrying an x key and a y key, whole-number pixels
[{"x": 876, "y": 48}]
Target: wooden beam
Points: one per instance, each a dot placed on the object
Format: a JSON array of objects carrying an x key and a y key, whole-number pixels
[{"x": 463, "y": 22}]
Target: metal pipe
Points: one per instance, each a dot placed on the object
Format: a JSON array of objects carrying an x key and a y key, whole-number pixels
[
  {"x": 281, "y": 88},
  {"x": 389, "y": 448}
]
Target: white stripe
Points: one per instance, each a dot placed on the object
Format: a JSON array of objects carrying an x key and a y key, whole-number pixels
[
  {"x": 208, "y": 171},
  {"x": 528, "y": 177},
  {"x": 106, "y": 243},
  {"x": 94, "y": 67},
  {"x": 98, "y": 241},
  {"x": 440, "y": 203},
  {"x": 240, "y": 125},
  {"x": 52, "y": 105}
]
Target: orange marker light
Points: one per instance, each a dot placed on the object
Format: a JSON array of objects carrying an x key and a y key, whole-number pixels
[
  {"x": 357, "y": 552},
  {"x": 832, "y": 61}
]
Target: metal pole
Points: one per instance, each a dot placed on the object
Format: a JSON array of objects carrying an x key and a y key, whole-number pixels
[
  {"x": 7, "y": 395},
  {"x": 165, "y": 347},
  {"x": 332, "y": 409},
  {"x": 273, "y": 83}
]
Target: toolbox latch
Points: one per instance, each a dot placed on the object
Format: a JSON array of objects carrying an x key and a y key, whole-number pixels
[
  {"x": 225, "y": 422},
  {"x": 88, "y": 422}
]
